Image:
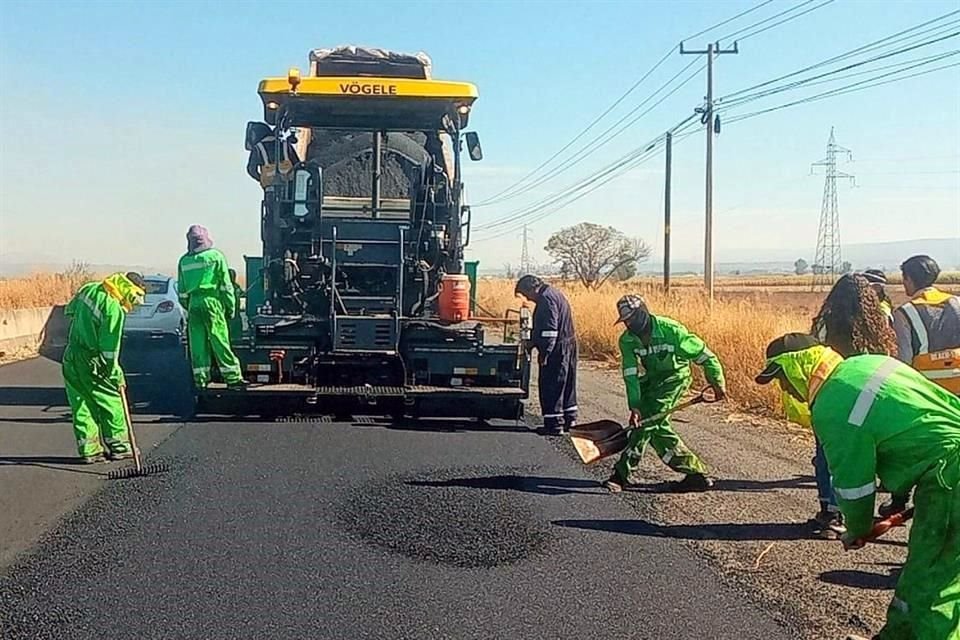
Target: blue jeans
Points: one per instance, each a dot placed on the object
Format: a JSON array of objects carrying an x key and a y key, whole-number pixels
[{"x": 828, "y": 501}]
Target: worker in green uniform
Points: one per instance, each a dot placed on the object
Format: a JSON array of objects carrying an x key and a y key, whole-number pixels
[
  {"x": 208, "y": 295},
  {"x": 656, "y": 353},
  {"x": 877, "y": 417},
  {"x": 91, "y": 365}
]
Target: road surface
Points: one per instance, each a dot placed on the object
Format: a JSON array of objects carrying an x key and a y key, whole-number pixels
[{"x": 329, "y": 530}]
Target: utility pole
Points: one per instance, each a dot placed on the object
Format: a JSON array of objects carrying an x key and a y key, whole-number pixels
[
  {"x": 828, "y": 263},
  {"x": 666, "y": 214},
  {"x": 712, "y": 127},
  {"x": 524, "y": 254}
]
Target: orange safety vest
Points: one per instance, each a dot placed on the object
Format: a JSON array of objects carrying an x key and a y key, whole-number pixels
[
  {"x": 268, "y": 168},
  {"x": 941, "y": 366}
]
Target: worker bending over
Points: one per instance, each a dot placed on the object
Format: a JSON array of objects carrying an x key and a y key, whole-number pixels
[
  {"x": 207, "y": 293},
  {"x": 554, "y": 338},
  {"x": 91, "y": 365},
  {"x": 877, "y": 417},
  {"x": 656, "y": 353}
]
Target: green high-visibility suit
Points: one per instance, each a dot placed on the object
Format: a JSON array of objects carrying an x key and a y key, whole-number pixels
[
  {"x": 656, "y": 376},
  {"x": 91, "y": 364},
  {"x": 207, "y": 293},
  {"x": 877, "y": 417}
]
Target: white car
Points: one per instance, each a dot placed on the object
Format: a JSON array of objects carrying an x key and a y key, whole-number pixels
[{"x": 161, "y": 314}]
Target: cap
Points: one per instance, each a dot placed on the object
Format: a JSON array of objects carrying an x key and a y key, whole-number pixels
[
  {"x": 874, "y": 276},
  {"x": 629, "y": 305},
  {"x": 784, "y": 344},
  {"x": 528, "y": 284}
]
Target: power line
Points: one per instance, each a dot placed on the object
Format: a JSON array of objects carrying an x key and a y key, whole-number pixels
[
  {"x": 517, "y": 188},
  {"x": 606, "y": 136},
  {"x": 785, "y": 20},
  {"x": 502, "y": 195},
  {"x": 750, "y": 97},
  {"x": 886, "y": 40},
  {"x": 728, "y": 20},
  {"x": 852, "y": 88}
]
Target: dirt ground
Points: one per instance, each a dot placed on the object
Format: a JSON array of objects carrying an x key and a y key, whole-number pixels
[{"x": 751, "y": 528}]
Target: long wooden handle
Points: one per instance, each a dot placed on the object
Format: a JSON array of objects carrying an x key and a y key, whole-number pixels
[
  {"x": 885, "y": 525},
  {"x": 133, "y": 439}
]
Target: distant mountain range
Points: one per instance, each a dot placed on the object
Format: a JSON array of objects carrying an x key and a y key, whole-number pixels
[
  {"x": 885, "y": 255},
  {"x": 880, "y": 255}
]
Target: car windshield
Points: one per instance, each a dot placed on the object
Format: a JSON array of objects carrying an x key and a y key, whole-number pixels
[{"x": 156, "y": 287}]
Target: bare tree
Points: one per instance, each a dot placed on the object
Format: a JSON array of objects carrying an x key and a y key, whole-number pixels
[{"x": 594, "y": 253}]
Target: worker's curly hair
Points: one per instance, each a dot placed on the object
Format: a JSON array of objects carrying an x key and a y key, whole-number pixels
[{"x": 852, "y": 322}]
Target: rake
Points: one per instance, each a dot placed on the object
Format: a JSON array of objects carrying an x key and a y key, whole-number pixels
[{"x": 139, "y": 469}]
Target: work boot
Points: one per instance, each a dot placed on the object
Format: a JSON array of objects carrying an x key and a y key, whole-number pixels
[
  {"x": 617, "y": 483},
  {"x": 692, "y": 483},
  {"x": 827, "y": 525},
  {"x": 240, "y": 385},
  {"x": 93, "y": 459},
  {"x": 896, "y": 504},
  {"x": 114, "y": 456}
]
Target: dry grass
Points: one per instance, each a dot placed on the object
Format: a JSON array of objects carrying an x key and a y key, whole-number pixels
[
  {"x": 42, "y": 289},
  {"x": 737, "y": 328}
]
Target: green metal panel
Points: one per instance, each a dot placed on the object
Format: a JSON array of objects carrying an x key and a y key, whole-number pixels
[
  {"x": 471, "y": 269},
  {"x": 255, "y": 294}
]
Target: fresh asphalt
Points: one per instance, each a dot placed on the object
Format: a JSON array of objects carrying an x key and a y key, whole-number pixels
[{"x": 315, "y": 529}]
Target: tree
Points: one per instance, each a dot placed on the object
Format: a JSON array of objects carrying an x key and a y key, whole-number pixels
[
  {"x": 800, "y": 267},
  {"x": 594, "y": 253}
]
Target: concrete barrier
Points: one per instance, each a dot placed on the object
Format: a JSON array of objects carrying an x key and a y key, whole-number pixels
[{"x": 43, "y": 328}]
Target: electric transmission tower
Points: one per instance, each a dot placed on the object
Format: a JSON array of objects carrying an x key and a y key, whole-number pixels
[
  {"x": 828, "y": 263},
  {"x": 525, "y": 254}
]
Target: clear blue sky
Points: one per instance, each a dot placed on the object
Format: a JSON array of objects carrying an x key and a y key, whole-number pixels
[{"x": 122, "y": 122}]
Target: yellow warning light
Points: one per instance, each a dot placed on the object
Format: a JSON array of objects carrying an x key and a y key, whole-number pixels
[
  {"x": 293, "y": 77},
  {"x": 463, "y": 109}
]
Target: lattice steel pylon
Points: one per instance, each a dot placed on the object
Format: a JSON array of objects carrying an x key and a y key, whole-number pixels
[
  {"x": 525, "y": 254},
  {"x": 828, "y": 263}
]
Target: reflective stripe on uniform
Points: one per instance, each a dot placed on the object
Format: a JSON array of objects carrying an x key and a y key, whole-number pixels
[
  {"x": 943, "y": 374},
  {"x": 869, "y": 392},
  {"x": 110, "y": 355},
  {"x": 92, "y": 306},
  {"x": 201, "y": 369},
  {"x": 114, "y": 441},
  {"x": 629, "y": 371},
  {"x": 553, "y": 415},
  {"x": 193, "y": 266},
  {"x": 88, "y": 441},
  {"x": 657, "y": 348},
  {"x": 549, "y": 334},
  {"x": 857, "y": 493},
  {"x": 919, "y": 329},
  {"x": 573, "y": 408},
  {"x": 900, "y": 605},
  {"x": 704, "y": 357},
  {"x": 668, "y": 456}
]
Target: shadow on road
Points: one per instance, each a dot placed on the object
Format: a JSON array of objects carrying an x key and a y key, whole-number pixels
[
  {"x": 44, "y": 397},
  {"x": 526, "y": 484},
  {"x": 158, "y": 380},
  {"x": 49, "y": 462},
  {"x": 735, "y": 484},
  {"x": 861, "y": 579},
  {"x": 724, "y": 531}
]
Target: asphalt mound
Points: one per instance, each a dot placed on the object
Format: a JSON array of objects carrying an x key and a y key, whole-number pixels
[{"x": 462, "y": 517}]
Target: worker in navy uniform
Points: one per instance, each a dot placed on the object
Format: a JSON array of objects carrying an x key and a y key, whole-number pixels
[
  {"x": 262, "y": 163},
  {"x": 555, "y": 341}
]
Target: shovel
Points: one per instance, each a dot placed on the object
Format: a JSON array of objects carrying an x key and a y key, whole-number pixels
[
  {"x": 139, "y": 469},
  {"x": 601, "y": 439}
]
